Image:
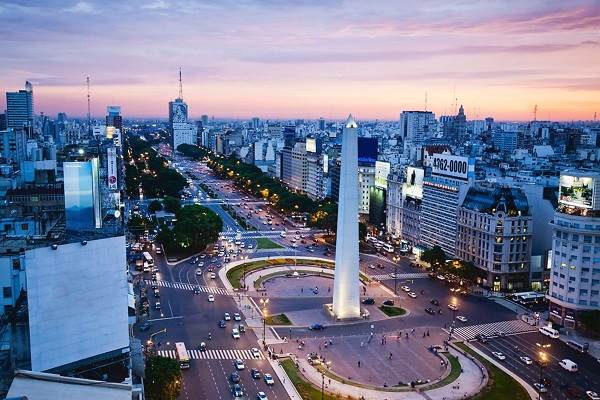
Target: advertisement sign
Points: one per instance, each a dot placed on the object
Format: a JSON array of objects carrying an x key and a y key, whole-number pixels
[
  {"x": 117, "y": 137},
  {"x": 311, "y": 145},
  {"x": 382, "y": 170},
  {"x": 82, "y": 200},
  {"x": 111, "y": 166},
  {"x": 178, "y": 112},
  {"x": 110, "y": 132},
  {"x": 457, "y": 167},
  {"x": 367, "y": 150},
  {"x": 576, "y": 191},
  {"x": 413, "y": 187}
]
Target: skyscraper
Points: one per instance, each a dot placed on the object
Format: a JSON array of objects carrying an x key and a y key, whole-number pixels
[
  {"x": 415, "y": 126},
  {"x": 19, "y": 107},
  {"x": 113, "y": 117},
  {"x": 182, "y": 132}
]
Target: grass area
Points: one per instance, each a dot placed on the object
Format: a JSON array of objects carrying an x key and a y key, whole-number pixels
[
  {"x": 278, "y": 319},
  {"x": 500, "y": 385},
  {"x": 304, "y": 388},
  {"x": 392, "y": 311},
  {"x": 455, "y": 369},
  {"x": 264, "y": 243}
]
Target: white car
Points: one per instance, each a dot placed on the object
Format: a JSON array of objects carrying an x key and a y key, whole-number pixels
[
  {"x": 198, "y": 271},
  {"x": 261, "y": 396},
  {"x": 526, "y": 360},
  {"x": 157, "y": 305},
  {"x": 499, "y": 355},
  {"x": 269, "y": 379},
  {"x": 592, "y": 395},
  {"x": 539, "y": 387},
  {"x": 453, "y": 307},
  {"x": 412, "y": 295},
  {"x": 237, "y": 317},
  {"x": 211, "y": 298},
  {"x": 462, "y": 318},
  {"x": 372, "y": 266},
  {"x": 226, "y": 317},
  {"x": 250, "y": 246},
  {"x": 201, "y": 264},
  {"x": 213, "y": 275},
  {"x": 405, "y": 288},
  {"x": 255, "y": 352},
  {"x": 235, "y": 333},
  {"x": 239, "y": 364}
]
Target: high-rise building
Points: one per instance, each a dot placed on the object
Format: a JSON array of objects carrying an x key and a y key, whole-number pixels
[
  {"x": 82, "y": 195},
  {"x": 575, "y": 258},
  {"x": 455, "y": 127},
  {"x": 13, "y": 145},
  {"x": 415, "y": 126},
  {"x": 113, "y": 117},
  {"x": 321, "y": 124},
  {"x": 182, "y": 132},
  {"x": 204, "y": 119},
  {"x": 3, "y": 122},
  {"x": 495, "y": 230},
  {"x": 19, "y": 107}
]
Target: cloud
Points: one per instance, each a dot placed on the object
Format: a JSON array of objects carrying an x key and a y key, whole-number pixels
[
  {"x": 156, "y": 5},
  {"x": 82, "y": 7}
]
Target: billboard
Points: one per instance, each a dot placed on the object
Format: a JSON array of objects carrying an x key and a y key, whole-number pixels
[
  {"x": 457, "y": 167},
  {"x": 382, "y": 170},
  {"x": 82, "y": 197},
  {"x": 111, "y": 168},
  {"x": 413, "y": 187},
  {"x": 116, "y": 137},
  {"x": 576, "y": 191},
  {"x": 110, "y": 131},
  {"x": 311, "y": 145},
  {"x": 178, "y": 112},
  {"x": 367, "y": 150}
]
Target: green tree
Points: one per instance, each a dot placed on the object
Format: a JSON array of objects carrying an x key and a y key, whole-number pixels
[
  {"x": 138, "y": 224},
  {"x": 436, "y": 257},
  {"x": 362, "y": 231},
  {"x": 155, "y": 206},
  {"x": 171, "y": 204},
  {"x": 591, "y": 321},
  {"x": 163, "y": 378}
]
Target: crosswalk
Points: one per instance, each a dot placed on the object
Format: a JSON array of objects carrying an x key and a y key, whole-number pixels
[
  {"x": 492, "y": 329},
  {"x": 215, "y": 354},
  {"x": 409, "y": 275},
  {"x": 189, "y": 286}
]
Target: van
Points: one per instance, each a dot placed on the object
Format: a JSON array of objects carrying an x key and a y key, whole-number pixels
[
  {"x": 550, "y": 332},
  {"x": 568, "y": 365},
  {"x": 582, "y": 348}
]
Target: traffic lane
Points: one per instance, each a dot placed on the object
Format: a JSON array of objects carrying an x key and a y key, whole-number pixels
[{"x": 515, "y": 346}]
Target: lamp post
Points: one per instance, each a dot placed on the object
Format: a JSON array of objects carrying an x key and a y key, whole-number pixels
[
  {"x": 263, "y": 304},
  {"x": 454, "y": 303},
  {"x": 150, "y": 342},
  {"x": 542, "y": 361},
  {"x": 396, "y": 259}
]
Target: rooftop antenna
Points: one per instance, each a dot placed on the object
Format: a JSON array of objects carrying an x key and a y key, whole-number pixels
[
  {"x": 594, "y": 116},
  {"x": 535, "y": 113},
  {"x": 426, "y": 100},
  {"x": 180, "y": 86},
  {"x": 89, "y": 117}
]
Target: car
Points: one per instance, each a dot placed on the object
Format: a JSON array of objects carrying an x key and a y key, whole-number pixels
[
  {"x": 145, "y": 326},
  {"x": 226, "y": 317},
  {"x": 235, "y": 333},
  {"x": 237, "y": 317},
  {"x": 211, "y": 298},
  {"x": 441, "y": 277},
  {"x": 453, "y": 307},
  {"x": 239, "y": 364},
  {"x": 235, "y": 377},
  {"x": 499, "y": 355},
  {"x": 222, "y": 324},
  {"x": 316, "y": 327},
  {"x": 198, "y": 271},
  {"x": 196, "y": 289},
  {"x": 481, "y": 338},
  {"x": 157, "y": 305},
  {"x": 255, "y": 352},
  {"x": 241, "y": 328},
  {"x": 498, "y": 333},
  {"x": 461, "y": 318},
  {"x": 592, "y": 395},
  {"x": 435, "y": 302},
  {"x": 430, "y": 311},
  {"x": 568, "y": 365},
  {"x": 202, "y": 256},
  {"x": 526, "y": 360},
  {"x": 539, "y": 387},
  {"x": 388, "y": 302},
  {"x": 405, "y": 288},
  {"x": 156, "y": 293},
  {"x": 412, "y": 295},
  {"x": 237, "y": 390},
  {"x": 202, "y": 346},
  {"x": 261, "y": 396},
  {"x": 254, "y": 373},
  {"x": 368, "y": 300},
  {"x": 201, "y": 264},
  {"x": 269, "y": 379},
  {"x": 371, "y": 266}
]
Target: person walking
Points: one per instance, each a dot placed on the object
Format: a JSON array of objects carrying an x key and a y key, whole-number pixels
[
  {"x": 358, "y": 363},
  {"x": 390, "y": 357}
]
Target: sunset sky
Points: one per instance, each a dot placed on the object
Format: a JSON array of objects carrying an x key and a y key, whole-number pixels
[{"x": 306, "y": 58}]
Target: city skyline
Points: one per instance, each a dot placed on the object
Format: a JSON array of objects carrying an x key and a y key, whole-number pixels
[{"x": 307, "y": 59}]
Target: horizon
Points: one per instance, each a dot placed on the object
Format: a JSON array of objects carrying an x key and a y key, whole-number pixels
[{"x": 307, "y": 59}]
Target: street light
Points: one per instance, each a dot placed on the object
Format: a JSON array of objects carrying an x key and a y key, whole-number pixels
[
  {"x": 396, "y": 259},
  {"x": 150, "y": 342},
  {"x": 454, "y": 303},
  {"x": 263, "y": 304},
  {"x": 542, "y": 361}
]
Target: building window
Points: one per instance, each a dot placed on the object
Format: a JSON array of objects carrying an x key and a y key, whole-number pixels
[
  {"x": 16, "y": 264},
  {"x": 7, "y": 292}
]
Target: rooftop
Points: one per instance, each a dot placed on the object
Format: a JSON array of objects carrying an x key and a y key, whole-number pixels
[{"x": 512, "y": 201}]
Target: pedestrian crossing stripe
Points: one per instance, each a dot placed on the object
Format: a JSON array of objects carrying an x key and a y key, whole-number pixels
[
  {"x": 410, "y": 275},
  {"x": 511, "y": 327},
  {"x": 189, "y": 286},
  {"x": 231, "y": 354}
]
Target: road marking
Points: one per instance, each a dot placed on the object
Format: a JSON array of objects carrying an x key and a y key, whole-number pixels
[
  {"x": 511, "y": 327},
  {"x": 409, "y": 275},
  {"x": 190, "y": 287},
  {"x": 223, "y": 354},
  {"x": 163, "y": 319}
]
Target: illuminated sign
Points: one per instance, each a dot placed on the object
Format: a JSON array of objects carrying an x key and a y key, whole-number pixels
[
  {"x": 111, "y": 166},
  {"x": 413, "y": 187},
  {"x": 457, "y": 167},
  {"x": 110, "y": 131},
  {"x": 82, "y": 195},
  {"x": 576, "y": 191},
  {"x": 311, "y": 145},
  {"x": 382, "y": 170},
  {"x": 116, "y": 137}
]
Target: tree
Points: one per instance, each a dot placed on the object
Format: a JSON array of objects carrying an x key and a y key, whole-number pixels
[
  {"x": 155, "y": 206},
  {"x": 171, "y": 204},
  {"x": 590, "y": 321},
  {"x": 138, "y": 224},
  {"x": 362, "y": 231},
  {"x": 163, "y": 378},
  {"x": 436, "y": 257},
  {"x": 465, "y": 270}
]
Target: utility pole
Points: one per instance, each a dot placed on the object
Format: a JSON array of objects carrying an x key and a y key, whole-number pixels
[
  {"x": 180, "y": 86},
  {"x": 89, "y": 117}
]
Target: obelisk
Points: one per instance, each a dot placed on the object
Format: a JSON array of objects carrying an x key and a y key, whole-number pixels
[{"x": 346, "y": 284}]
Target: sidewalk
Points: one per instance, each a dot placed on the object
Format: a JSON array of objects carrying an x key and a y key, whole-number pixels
[{"x": 471, "y": 380}]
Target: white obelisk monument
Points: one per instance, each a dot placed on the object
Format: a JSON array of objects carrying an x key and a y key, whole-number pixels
[{"x": 346, "y": 284}]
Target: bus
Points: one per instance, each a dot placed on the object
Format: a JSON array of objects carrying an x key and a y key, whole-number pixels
[
  {"x": 387, "y": 247},
  {"x": 148, "y": 258},
  {"x": 582, "y": 348},
  {"x": 549, "y": 331},
  {"x": 182, "y": 355}
]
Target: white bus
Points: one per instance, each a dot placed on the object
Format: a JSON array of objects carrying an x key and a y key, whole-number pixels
[
  {"x": 148, "y": 258},
  {"x": 182, "y": 355},
  {"x": 387, "y": 247},
  {"x": 550, "y": 332}
]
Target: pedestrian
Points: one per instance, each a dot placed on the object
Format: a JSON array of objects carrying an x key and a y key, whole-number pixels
[
  {"x": 301, "y": 290},
  {"x": 358, "y": 363},
  {"x": 423, "y": 335},
  {"x": 427, "y": 332},
  {"x": 330, "y": 342},
  {"x": 362, "y": 344},
  {"x": 390, "y": 356},
  {"x": 329, "y": 289},
  {"x": 406, "y": 334}
]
